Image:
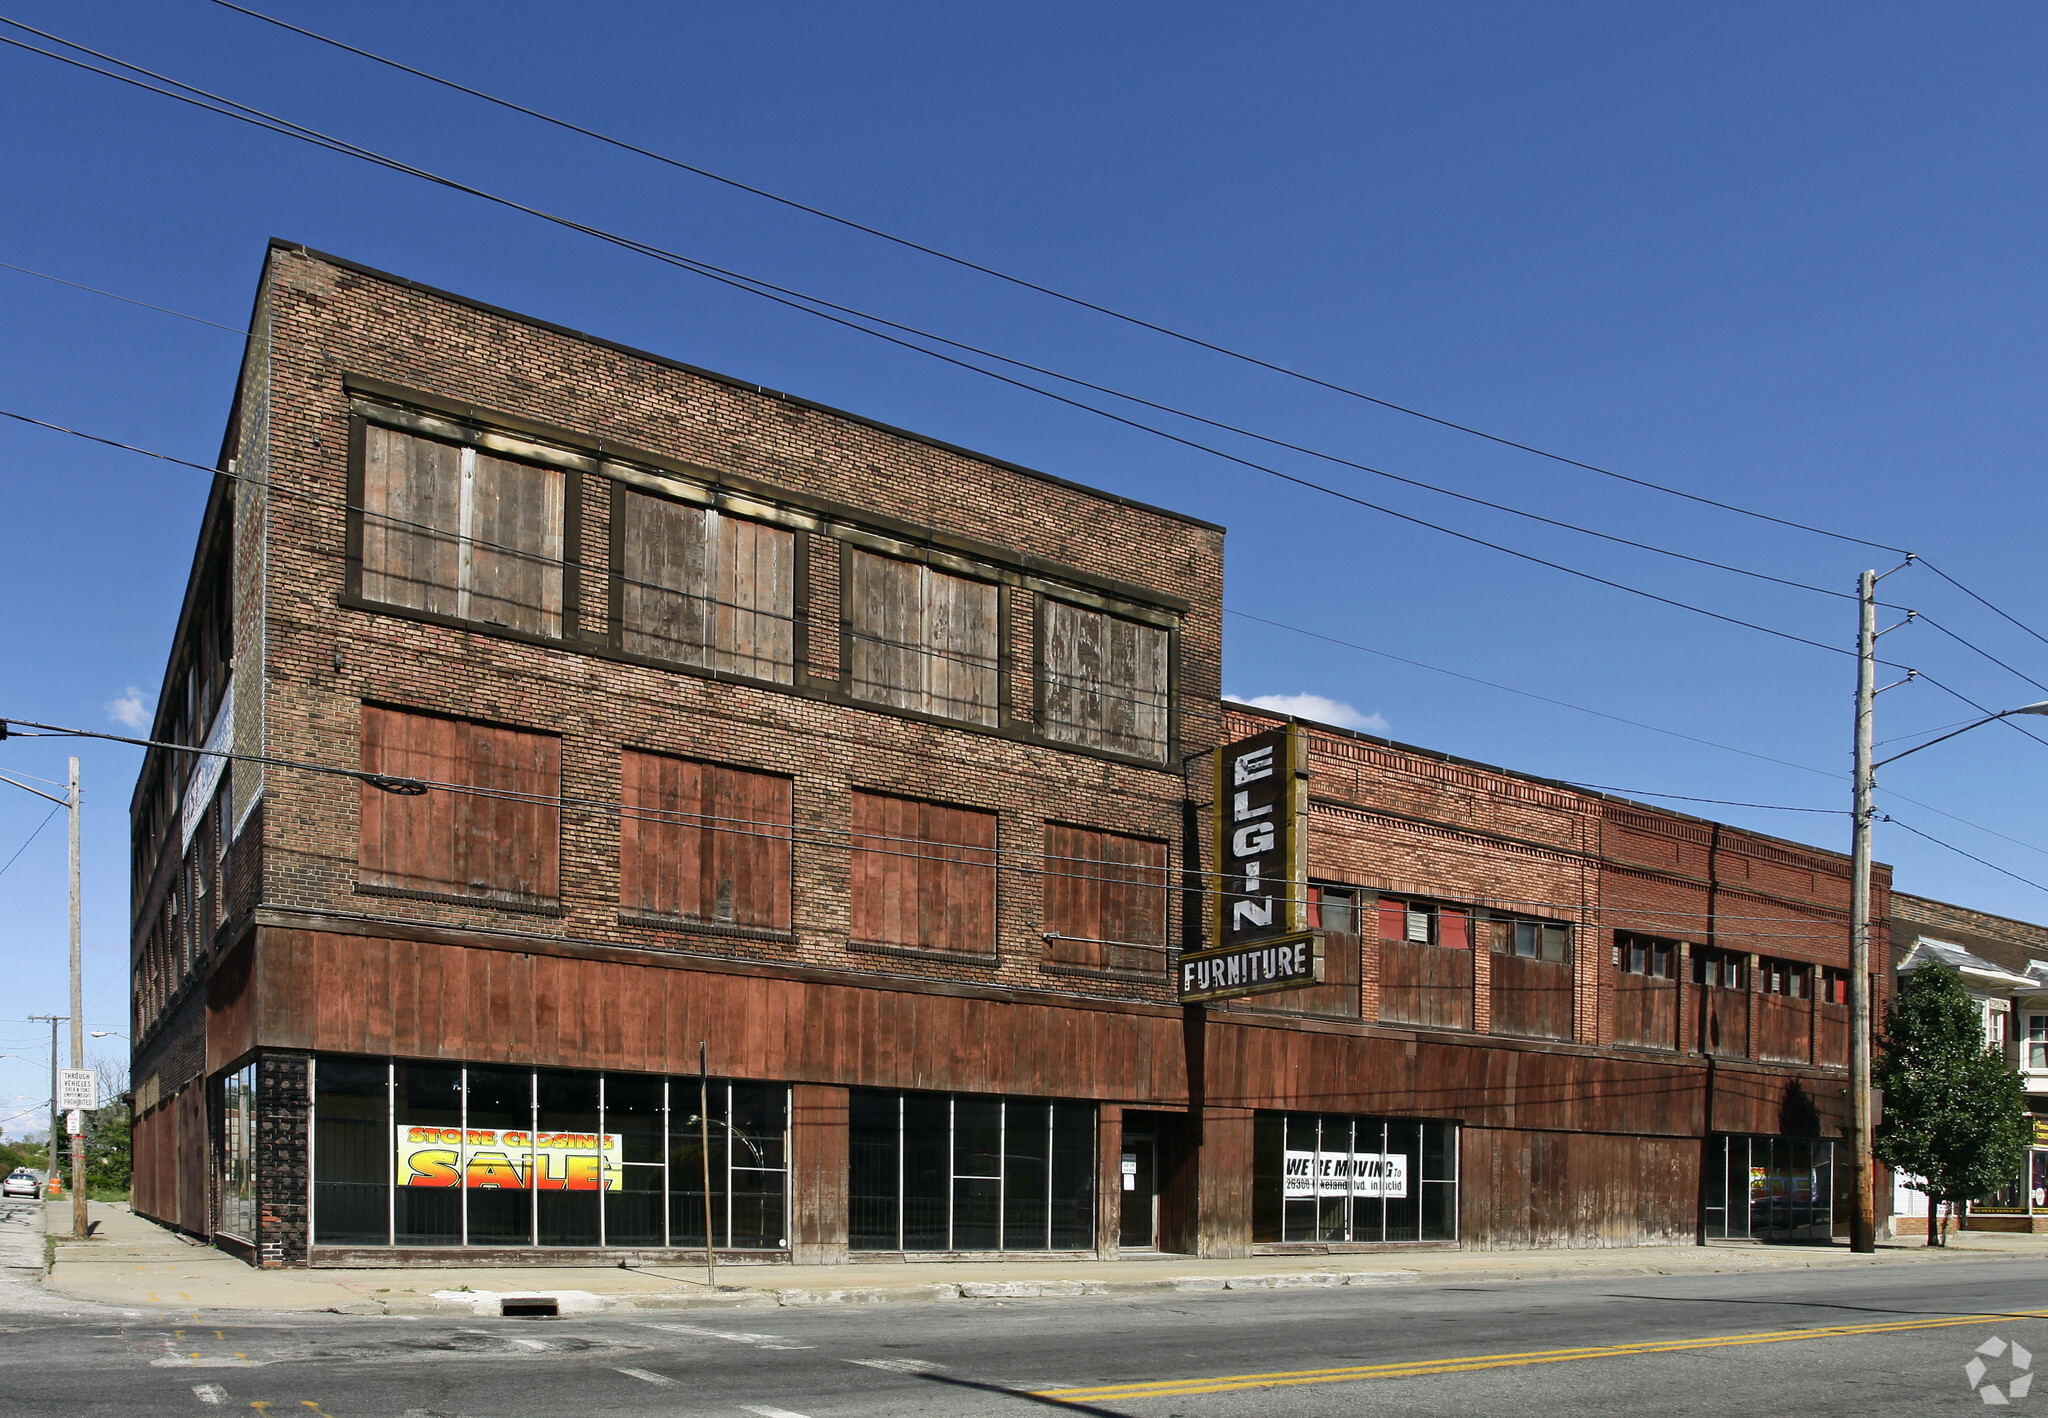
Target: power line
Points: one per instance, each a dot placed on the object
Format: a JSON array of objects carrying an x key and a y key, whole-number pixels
[
  {"x": 1961, "y": 853},
  {"x": 1055, "y": 294},
  {"x": 1981, "y": 601},
  {"x": 31, "y": 837},
  {"x": 808, "y": 304},
  {"x": 1719, "y": 802},
  {"x": 130, "y": 300}
]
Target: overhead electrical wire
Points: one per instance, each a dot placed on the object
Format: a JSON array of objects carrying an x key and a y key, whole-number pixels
[
  {"x": 31, "y": 837},
  {"x": 1022, "y": 862},
  {"x": 287, "y": 128},
  {"x": 812, "y": 305},
  {"x": 1950, "y": 846},
  {"x": 1056, "y": 294},
  {"x": 125, "y": 299}
]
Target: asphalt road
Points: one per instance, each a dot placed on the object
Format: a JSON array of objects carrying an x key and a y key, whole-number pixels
[{"x": 1890, "y": 1340}]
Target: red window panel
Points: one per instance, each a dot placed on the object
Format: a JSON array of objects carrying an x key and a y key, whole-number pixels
[
  {"x": 1454, "y": 928},
  {"x": 1393, "y": 919},
  {"x": 704, "y": 843},
  {"x": 924, "y": 874},
  {"x": 502, "y": 843}
]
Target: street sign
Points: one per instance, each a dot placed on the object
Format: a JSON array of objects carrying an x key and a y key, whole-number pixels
[
  {"x": 74, "y": 1123},
  {"x": 1283, "y": 963},
  {"x": 78, "y": 1088}
]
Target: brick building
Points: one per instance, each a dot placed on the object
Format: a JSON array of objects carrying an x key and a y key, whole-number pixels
[{"x": 651, "y": 801}]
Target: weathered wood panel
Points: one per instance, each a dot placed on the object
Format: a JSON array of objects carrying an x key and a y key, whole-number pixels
[
  {"x": 1784, "y": 1029},
  {"x": 1522, "y": 1189},
  {"x": 702, "y": 588},
  {"x": 1831, "y": 1035},
  {"x": 1105, "y": 899},
  {"x": 1724, "y": 1020},
  {"x": 449, "y": 842},
  {"x": 525, "y": 1007},
  {"x": 194, "y": 1155},
  {"x": 1337, "y": 915},
  {"x": 513, "y": 545},
  {"x": 1532, "y": 999},
  {"x": 1645, "y": 1011},
  {"x": 922, "y": 639},
  {"x": 1105, "y": 680},
  {"x": 1253, "y": 1063},
  {"x": 704, "y": 843},
  {"x": 820, "y": 1142},
  {"x": 231, "y": 1009},
  {"x": 1429, "y": 985},
  {"x": 1754, "y": 1100},
  {"x": 923, "y": 874},
  {"x": 412, "y": 521}
]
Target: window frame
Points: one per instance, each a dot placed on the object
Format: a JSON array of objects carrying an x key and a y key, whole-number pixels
[
  {"x": 594, "y": 465},
  {"x": 1637, "y": 954},
  {"x": 1170, "y": 625},
  {"x": 1000, "y": 707},
  {"x": 477, "y": 440}
]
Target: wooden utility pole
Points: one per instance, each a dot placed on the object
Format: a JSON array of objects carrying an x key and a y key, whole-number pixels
[
  {"x": 78, "y": 1222},
  {"x": 1863, "y": 1222}
]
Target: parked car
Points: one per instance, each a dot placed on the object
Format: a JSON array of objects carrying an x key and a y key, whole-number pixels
[{"x": 22, "y": 1182}]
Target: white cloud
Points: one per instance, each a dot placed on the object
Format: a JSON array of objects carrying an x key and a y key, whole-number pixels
[
  {"x": 129, "y": 709},
  {"x": 1315, "y": 706}
]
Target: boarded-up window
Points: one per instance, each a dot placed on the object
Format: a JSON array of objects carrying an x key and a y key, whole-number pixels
[
  {"x": 462, "y": 533},
  {"x": 1105, "y": 681},
  {"x": 501, "y": 842},
  {"x": 702, "y": 843},
  {"x": 700, "y": 588},
  {"x": 1105, "y": 899},
  {"x": 924, "y": 875},
  {"x": 921, "y": 639}
]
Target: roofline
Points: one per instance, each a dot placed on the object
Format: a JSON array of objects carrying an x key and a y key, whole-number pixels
[
  {"x": 1558, "y": 783},
  {"x": 2031, "y": 926},
  {"x": 278, "y": 243}
]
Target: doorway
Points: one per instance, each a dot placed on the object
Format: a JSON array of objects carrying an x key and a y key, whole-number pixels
[{"x": 1139, "y": 1175}]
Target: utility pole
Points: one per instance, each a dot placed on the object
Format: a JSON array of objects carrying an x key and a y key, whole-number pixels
[
  {"x": 78, "y": 1222},
  {"x": 1863, "y": 1223},
  {"x": 52, "y": 1020}
]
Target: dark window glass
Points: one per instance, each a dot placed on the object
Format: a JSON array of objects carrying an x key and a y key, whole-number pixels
[
  {"x": 1073, "y": 1176},
  {"x": 1335, "y": 1178},
  {"x": 499, "y": 1168},
  {"x": 351, "y": 1153},
  {"x": 569, "y": 1158},
  {"x": 873, "y": 1193},
  {"x": 1027, "y": 1151},
  {"x": 977, "y": 1173},
  {"x": 429, "y": 1196},
  {"x": 1269, "y": 1144},
  {"x": 927, "y": 1171}
]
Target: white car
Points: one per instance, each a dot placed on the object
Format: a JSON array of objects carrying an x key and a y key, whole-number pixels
[{"x": 21, "y": 1183}]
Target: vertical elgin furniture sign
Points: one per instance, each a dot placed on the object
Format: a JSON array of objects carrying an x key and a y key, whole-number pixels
[{"x": 1263, "y": 942}]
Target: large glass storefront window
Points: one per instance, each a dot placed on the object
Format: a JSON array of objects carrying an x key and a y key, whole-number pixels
[
  {"x": 1770, "y": 1188},
  {"x": 945, "y": 1172},
  {"x": 238, "y": 1153},
  {"x": 1326, "y": 1177},
  {"x": 418, "y": 1154}
]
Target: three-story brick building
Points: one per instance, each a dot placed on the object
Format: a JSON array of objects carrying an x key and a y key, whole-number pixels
[{"x": 648, "y": 801}]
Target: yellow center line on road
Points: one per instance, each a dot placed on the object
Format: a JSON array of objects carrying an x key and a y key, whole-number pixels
[{"x": 1416, "y": 1368}]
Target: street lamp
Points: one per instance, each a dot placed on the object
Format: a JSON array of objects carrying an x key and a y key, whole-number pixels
[
  {"x": 1863, "y": 1222},
  {"x": 103, "y": 1033}
]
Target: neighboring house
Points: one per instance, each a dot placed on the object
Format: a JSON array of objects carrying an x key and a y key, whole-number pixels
[
  {"x": 2003, "y": 964},
  {"x": 591, "y": 709}
]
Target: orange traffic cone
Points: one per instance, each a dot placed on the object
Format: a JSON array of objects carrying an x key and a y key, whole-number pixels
[{"x": 54, "y": 1190}]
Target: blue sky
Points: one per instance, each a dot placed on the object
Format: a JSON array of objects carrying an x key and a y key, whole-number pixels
[{"x": 1785, "y": 257}]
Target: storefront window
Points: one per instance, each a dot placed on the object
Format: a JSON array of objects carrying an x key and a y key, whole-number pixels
[
  {"x": 1330, "y": 1177},
  {"x": 417, "y": 1154},
  {"x": 939, "y": 1172},
  {"x": 238, "y": 1153},
  {"x": 1770, "y": 1188}
]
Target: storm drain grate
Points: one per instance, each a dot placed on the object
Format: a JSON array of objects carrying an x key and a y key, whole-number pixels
[{"x": 527, "y": 1306}]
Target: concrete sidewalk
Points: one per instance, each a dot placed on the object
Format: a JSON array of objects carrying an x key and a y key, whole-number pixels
[{"x": 137, "y": 1264}]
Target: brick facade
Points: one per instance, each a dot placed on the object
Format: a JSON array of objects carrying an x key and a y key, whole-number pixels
[{"x": 306, "y": 962}]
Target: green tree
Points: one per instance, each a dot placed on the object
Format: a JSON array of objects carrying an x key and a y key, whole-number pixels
[{"x": 1955, "y": 1113}]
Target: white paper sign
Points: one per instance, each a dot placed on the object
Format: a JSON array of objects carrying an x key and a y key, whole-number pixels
[
  {"x": 78, "y": 1088},
  {"x": 1360, "y": 1174}
]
